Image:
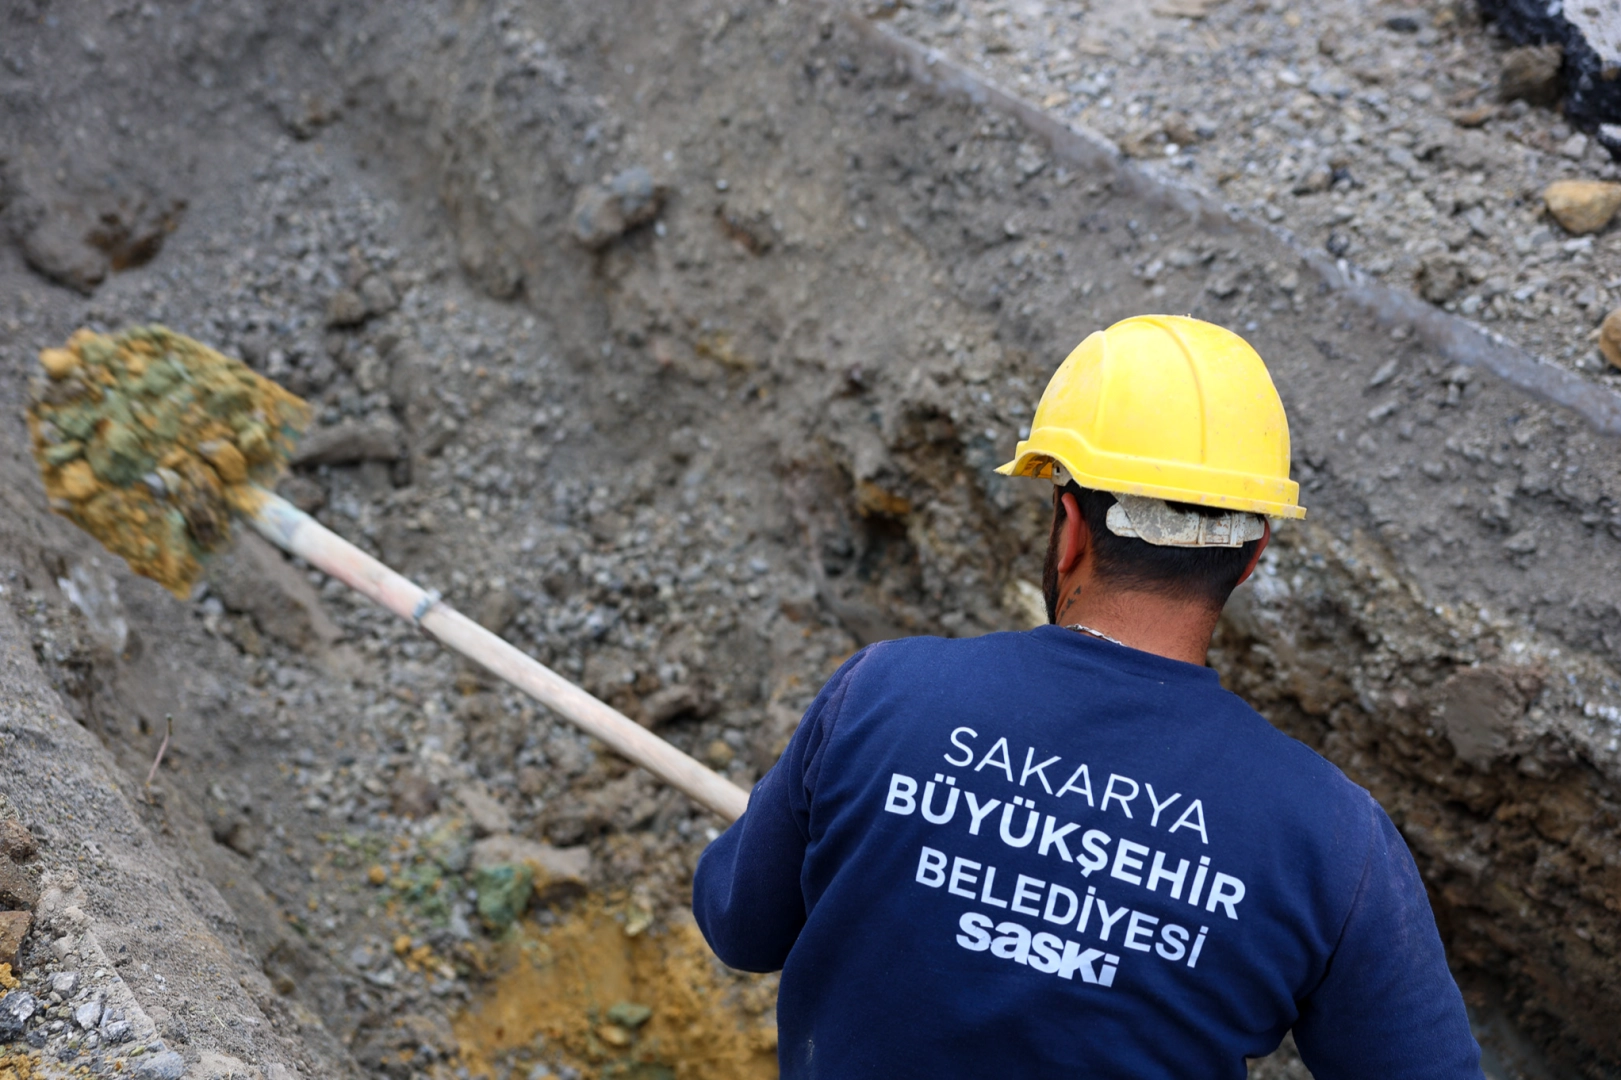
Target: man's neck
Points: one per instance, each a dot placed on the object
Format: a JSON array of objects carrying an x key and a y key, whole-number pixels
[{"x": 1151, "y": 622}]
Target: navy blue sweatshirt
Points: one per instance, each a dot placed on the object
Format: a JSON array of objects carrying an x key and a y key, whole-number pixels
[{"x": 1041, "y": 854}]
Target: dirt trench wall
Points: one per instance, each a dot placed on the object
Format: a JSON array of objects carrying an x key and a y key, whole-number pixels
[
  {"x": 118, "y": 892},
  {"x": 883, "y": 278},
  {"x": 1453, "y": 720}
]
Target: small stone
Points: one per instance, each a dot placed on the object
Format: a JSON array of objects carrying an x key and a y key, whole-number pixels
[
  {"x": 719, "y": 753},
  {"x": 345, "y": 308},
  {"x": 531, "y": 780},
  {"x": 65, "y": 983},
  {"x": 1582, "y": 206},
  {"x": 629, "y": 1014},
  {"x": 613, "y": 1035},
  {"x": 1574, "y": 147},
  {"x": 414, "y": 795},
  {"x": 79, "y": 480},
  {"x": 304, "y": 492},
  {"x": 16, "y": 842},
  {"x": 117, "y": 1031},
  {"x": 377, "y": 295},
  {"x": 637, "y": 920},
  {"x": 166, "y": 1065},
  {"x": 1475, "y": 117},
  {"x": 58, "y": 363},
  {"x": 1315, "y": 179},
  {"x": 226, "y": 459},
  {"x": 503, "y": 894},
  {"x": 602, "y": 214},
  {"x": 1521, "y": 543},
  {"x": 488, "y": 816},
  {"x": 638, "y": 195},
  {"x": 497, "y": 610},
  {"x": 1609, "y": 137},
  {"x": 14, "y": 927},
  {"x": 88, "y": 1015},
  {"x": 665, "y": 705},
  {"x": 596, "y": 219},
  {"x": 1609, "y": 338},
  {"x": 377, "y": 875},
  {"x": 1531, "y": 72},
  {"x": 16, "y": 1009},
  {"x": 1441, "y": 277}
]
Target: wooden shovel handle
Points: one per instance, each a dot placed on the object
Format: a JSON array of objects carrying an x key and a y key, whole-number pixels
[{"x": 296, "y": 533}]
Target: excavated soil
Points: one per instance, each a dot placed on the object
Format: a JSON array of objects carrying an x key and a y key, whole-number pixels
[
  {"x": 588, "y": 995},
  {"x": 677, "y": 342},
  {"x": 149, "y": 441}
]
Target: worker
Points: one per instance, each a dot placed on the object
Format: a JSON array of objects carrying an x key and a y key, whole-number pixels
[{"x": 1068, "y": 851}]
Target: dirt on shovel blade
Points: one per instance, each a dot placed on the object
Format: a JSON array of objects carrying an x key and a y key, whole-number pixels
[{"x": 148, "y": 440}]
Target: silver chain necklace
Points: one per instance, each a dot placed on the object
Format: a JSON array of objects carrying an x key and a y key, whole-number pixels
[{"x": 1096, "y": 634}]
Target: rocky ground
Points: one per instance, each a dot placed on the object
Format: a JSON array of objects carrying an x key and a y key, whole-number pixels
[
  {"x": 680, "y": 359},
  {"x": 1402, "y": 137}
]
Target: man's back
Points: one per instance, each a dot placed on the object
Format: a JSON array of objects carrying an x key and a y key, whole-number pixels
[{"x": 1042, "y": 853}]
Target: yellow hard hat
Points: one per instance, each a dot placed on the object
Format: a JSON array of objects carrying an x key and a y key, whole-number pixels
[{"x": 1167, "y": 407}]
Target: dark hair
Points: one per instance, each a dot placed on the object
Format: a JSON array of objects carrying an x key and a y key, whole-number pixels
[{"x": 1205, "y": 574}]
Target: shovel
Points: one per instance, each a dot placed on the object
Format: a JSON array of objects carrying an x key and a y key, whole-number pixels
[{"x": 151, "y": 441}]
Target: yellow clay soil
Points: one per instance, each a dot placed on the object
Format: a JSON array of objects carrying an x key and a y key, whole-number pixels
[
  {"x": 149, "y": 440},
  {"x": 578, "y": 991}
]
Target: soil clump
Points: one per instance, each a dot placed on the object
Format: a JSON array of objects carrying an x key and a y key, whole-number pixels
[{"x": 149, "y": 441}]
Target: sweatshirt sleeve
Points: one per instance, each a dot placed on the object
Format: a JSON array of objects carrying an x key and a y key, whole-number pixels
[
  {"x": 1388, "y": 1006},
  {"x": 746, "y": 892}
]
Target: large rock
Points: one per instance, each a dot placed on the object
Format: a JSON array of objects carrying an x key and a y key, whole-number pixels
[
  {"x": 1479, "y": 709},
  {"x": 16, "y": 1009},
  {"x": 556, "y": 872},
  {"x": 1582, "y": 206},
  {"x": 1589, "y": 37},
  {"x": 1441, "y": 277},
  {"x": 349, "y": 442},
  {"x": 76, "y": 237},
  {"x": 253, "y": 579},
  {"x": 55, "y": 249}
]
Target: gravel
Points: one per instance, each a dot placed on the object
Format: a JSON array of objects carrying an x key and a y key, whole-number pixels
[{"x": 1373, "y": 131}]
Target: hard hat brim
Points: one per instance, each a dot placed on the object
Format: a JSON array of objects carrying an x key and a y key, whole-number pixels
[{"x": 1174, "y": 481}]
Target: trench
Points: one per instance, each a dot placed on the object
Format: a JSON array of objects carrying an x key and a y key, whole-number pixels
[{"x": 694, "y": 464}]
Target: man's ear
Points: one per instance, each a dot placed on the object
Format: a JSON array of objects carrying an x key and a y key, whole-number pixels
[
  {"x": 1074, "y": 536},
  {"x": 1255, "y": 556}
]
